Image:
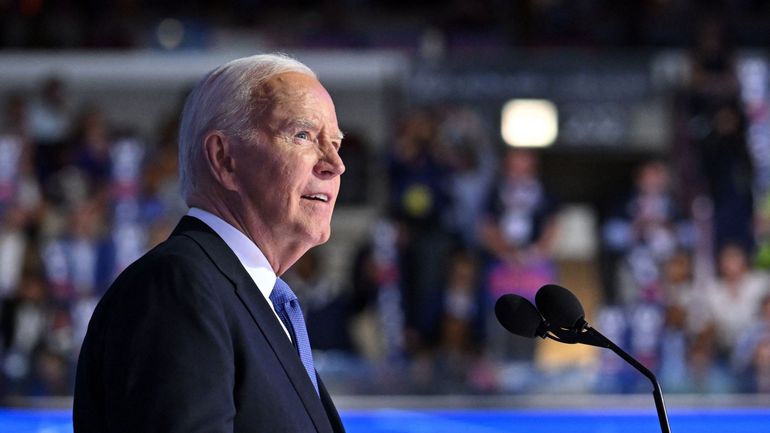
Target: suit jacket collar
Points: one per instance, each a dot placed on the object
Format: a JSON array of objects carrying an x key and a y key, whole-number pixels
[
  {"x": 264, "y": 318},
  {"x": 249, "y": 255}
]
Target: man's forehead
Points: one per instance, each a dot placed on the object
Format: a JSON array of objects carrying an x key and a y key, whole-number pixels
[
  {"x": 287, "y": 85},
  {"x": 295, "y": 98}
]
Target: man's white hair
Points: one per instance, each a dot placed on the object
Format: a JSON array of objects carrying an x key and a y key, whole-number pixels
[{"x": 223, "y": 100}]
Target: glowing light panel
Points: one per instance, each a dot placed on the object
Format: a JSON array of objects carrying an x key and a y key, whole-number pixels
[{"x": 529, "y": 123}]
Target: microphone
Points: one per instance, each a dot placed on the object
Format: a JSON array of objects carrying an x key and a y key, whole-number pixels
[
  {"x": 520, "y": 317},
  {"x": 562, "y": 309}
]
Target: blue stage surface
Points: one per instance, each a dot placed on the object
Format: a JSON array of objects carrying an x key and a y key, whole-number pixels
[{"x": 478, "y": 421}]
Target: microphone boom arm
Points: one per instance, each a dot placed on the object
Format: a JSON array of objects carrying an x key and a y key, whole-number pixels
[{"x": 592, "y": 337}]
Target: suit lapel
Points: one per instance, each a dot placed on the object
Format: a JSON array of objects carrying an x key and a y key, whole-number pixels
[
  {"x": 223, "y": 257},
  {"x": 331, "y": 410}
]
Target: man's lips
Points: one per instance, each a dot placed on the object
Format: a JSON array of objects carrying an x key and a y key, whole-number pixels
[{"x": 319, "y": 196}]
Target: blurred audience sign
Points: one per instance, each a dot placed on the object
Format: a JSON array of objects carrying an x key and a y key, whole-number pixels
[{"x": 523, "y": 279}]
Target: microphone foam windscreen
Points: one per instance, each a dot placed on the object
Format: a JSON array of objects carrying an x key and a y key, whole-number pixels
[
  {"x": 559, "y": 306},
  {"x": 518, "y": 315}
]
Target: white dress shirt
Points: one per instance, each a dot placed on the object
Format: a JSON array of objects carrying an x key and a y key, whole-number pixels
[{"x": 248, "y": 253}]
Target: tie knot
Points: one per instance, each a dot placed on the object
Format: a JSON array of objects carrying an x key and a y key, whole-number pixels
[{"x": 281, "y": 293}]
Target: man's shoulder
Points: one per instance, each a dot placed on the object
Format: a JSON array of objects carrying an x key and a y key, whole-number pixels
[
  {"x": 176, "y": 263},
  {"x": 178, "y": 251},
  {"x": 176, "y": 273}
]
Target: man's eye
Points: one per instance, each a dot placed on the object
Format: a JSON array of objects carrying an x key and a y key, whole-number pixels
[{"x": 304, "y": 135}]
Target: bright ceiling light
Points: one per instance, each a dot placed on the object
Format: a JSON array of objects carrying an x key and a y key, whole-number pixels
[{"x": 529, "y": 123}]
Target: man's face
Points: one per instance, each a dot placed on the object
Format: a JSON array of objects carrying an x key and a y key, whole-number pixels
[{"x": 289, "y": 172}]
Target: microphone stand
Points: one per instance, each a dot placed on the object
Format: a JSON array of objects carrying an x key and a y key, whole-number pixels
[{"x": 585, "y": 334}]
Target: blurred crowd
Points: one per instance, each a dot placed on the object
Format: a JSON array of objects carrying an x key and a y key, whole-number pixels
[
  {"x": 78, "y": 203},
  {"x": 682, "y": 255},
  {"x": 684, "y": 289}
]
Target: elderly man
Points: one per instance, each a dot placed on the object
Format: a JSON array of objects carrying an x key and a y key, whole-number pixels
[{"x": 200, "y": 334}]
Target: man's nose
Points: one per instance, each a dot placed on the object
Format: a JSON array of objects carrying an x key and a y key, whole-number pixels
[{"x": 330, "y": 164}]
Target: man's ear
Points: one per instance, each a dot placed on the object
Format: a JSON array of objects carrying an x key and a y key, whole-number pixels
[{"x": 219, "y": 159}]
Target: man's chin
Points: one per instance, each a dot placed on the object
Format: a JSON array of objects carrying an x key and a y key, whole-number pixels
[
  {"x": 317, "y": 238},
  {"x": 324, "y": 237}
]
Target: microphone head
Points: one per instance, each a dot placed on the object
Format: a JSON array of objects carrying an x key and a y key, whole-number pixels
[
  {"x": 518, "y": 316},
  {"x": 560, "y": 307}
]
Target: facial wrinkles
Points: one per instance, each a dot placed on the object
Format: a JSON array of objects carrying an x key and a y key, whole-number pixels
[
  {"x": 291, "y": 111},
  {"x": 291, "y": 108},
  {"x": 301, "y": 108}
]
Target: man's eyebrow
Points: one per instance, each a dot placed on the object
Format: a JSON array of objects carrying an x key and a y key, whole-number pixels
[
  {"x": 312, "y": 125},
  {"x": 302, "y": 123}
]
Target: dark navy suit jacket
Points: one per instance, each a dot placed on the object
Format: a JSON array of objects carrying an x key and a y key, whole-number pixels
[{"x": 184, "y": 341}]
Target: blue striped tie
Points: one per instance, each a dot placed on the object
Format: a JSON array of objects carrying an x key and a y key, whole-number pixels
[{"x": 287, "y": 306}]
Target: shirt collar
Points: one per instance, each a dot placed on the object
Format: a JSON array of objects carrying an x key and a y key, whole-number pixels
[{"x": 248, "y": 253}]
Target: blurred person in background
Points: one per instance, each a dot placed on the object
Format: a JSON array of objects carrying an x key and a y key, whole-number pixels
[
  {"x": 419, "y": 197},
  {"x": 519, "y": 224},
  {"x": 517, "y": 234},
  {"x": 732, "y": 302},
  {"x": 218, "y": 339},
  {"x": 729, "y": 172},
  {"x": 642, "y": 233},
  {"x": 724, "y": 169}
]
